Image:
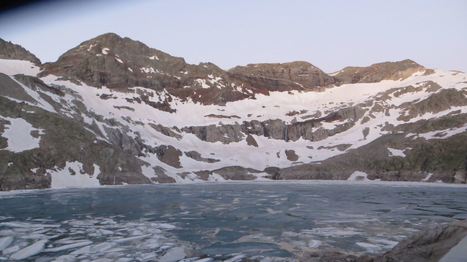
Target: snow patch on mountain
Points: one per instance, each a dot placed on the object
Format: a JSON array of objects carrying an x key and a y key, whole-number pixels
[
  {"x": 73, "y": 175},
  {"x": 118, "y": 59},
  {"x": 396, "y": 152},
  {"x": 358, "y": 176},
  {"x": 13, "y": 67},
  {"x": 202, "y": 83},
  {"x": 440, "y": 134},
  {"x": 154, "y": 57},
  {"x": 147, "y": 70},
  {"x": 19, "y": 135}
]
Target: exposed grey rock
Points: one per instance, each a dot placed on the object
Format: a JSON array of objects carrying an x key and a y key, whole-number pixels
[
  {"x": 291, "y": 155},
  {"x": 250, "y": 140},
  {"x": 162, "y": 177},
  {"x": 12, "y": 89},
  {"x": 427, "y": 125},
  {"x": 119, "y": 137},
  {"x": 166, "y": 131},
  {"x": 278, "y": 129},
  {"x": 222, "y": 116},
  {"x": 8, "y": 50},
  {"x": 435, "y": 103},
  {"x": 273, "y": 172},
  {"x": 212, "y": 133},
  {"x": 236, "y": 173},
  {"x": 37, "y": 84},
  {"x": 331, "y": 255},
  {"x": 203, "y": 174},
  {"x": 301, "y": 74},
  {"x": 169, "y": 155},
  {"x": 365, "y": 132},
  {"x": 197, "y": 156},
  {"x": 428, "y": 245}
]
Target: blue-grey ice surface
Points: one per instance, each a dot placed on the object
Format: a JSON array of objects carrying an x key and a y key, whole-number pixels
[{"x": 217, "y": 222}]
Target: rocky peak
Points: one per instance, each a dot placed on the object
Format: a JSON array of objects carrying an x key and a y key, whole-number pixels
[
  {"x": 380, "y": 71},
  {"x": 8, "y": 50},
  {"x": 299, "y": 73},
  {"x": 117, "y": 62}
]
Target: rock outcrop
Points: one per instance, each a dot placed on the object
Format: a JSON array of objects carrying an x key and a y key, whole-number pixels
[
  {"x": 432, "y": 244},
  {"x": 8, "y": 50},
  {"x": 301, "y": 74},
  {"x": 380, "y": 71},
  {"x": 310, "y": 129}
]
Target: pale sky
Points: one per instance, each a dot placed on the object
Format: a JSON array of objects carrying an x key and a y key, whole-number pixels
[{"x": 330, "y": 34}]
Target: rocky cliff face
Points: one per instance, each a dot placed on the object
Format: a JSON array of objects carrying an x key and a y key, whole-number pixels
[
  {"x": 114, "y": 111},
  {"x": 8, "y": 50},
  {"x": 433, "y": 244}
]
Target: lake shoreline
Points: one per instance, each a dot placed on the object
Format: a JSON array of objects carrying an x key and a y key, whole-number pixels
[{"x": 256, "y": 182}]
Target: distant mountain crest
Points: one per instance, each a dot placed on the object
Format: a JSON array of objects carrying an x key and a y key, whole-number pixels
[
  {"x": 381, "y": 71},
  {"x": 120, "y": 63},
  {"x": 298, "y": 72},
  {"x": 8, "y": 50}
]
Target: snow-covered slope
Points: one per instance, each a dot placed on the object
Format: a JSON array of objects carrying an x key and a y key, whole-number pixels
[{"x": 60, "y": 131}]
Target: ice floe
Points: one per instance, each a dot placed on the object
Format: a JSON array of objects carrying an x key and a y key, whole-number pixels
[{"x": 30, "y": 250}]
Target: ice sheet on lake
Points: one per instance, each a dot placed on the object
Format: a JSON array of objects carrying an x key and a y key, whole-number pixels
[{"x": 361, "y": 217}]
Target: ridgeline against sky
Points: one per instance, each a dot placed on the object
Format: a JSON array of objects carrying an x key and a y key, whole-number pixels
[{"x": 332, "y": 34}]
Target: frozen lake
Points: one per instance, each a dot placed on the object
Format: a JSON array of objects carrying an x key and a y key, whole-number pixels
[{"x": 217, "y": 222}]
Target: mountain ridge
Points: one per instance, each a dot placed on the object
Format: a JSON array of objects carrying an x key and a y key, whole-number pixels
[
  {"x": 9, "y": 50},
  {"x": 261, "y": 70}
]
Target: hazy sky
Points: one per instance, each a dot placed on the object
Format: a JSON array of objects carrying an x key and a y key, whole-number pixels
[{"x": 330, "y": 34}]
